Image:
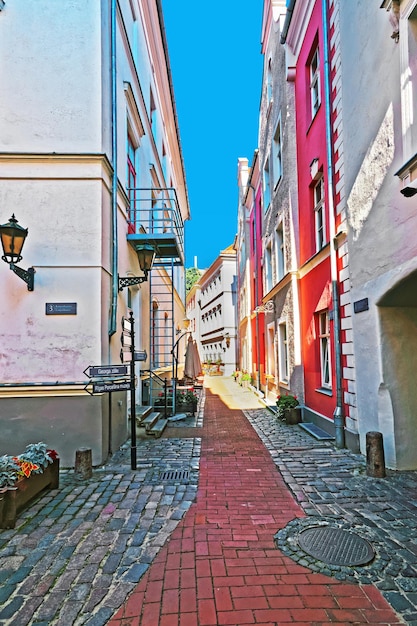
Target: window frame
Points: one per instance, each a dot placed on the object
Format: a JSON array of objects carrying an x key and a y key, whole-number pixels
[
  {"x": 324, "y": 349},
  {"x": 319, "y": 214},
  {"x": 268, "y": 266},
  {"x": 283, "y": 352},
  {"x": 266, "y": 185},
  {"x": 277, "y": 154},
  {"x": 131, "y": 178},
  {"x": 314, "y": 78},
  {"x": 280, "y": 262},
  {"x": 269, "y": 91},
  {"x": 271, "y": 351}
]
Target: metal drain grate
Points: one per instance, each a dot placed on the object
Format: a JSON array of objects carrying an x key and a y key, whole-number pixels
[
  {"x": 335, "y": 546},
  {"x": 315, "y": 431},
  {"x": 181, "y": 474}
]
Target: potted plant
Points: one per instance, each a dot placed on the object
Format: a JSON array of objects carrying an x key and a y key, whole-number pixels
[
  {"x": 245, "y": 379},
  {"x": 9, "y": 470},
  {"x": 23, "y": 477},
  {"x": 187, "y": 401},
  {"x": 218, "y": 369},
  {"x": 287, "y": 408}
]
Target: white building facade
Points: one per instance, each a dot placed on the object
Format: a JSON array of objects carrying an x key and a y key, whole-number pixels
[
  {"x": 378, "y": 145},
  {"x": 92, "y": 166},
  {"x": 211, "y": 308}
]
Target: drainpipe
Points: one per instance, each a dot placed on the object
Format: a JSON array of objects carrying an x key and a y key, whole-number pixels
[
  {"x": 114, "y": 285},
  {"x": 288, "y": 16},
  {"x": 339, "y": 421},
  {"x": 258, "y": 341}
]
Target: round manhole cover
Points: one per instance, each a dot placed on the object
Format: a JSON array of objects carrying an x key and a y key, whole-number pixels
[{"x": 335, "y": 546}]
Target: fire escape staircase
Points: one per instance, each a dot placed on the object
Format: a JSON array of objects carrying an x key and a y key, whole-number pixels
[{"x": 155, "y": 219}]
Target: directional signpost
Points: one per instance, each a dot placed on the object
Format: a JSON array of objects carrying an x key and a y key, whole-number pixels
[
  {"x": 129, "y": 333},
  {"x": 107, "y": 387},
  {"x": 100, "y": 371},
  {"x": 126, "y": 339},
  {"x": 120, "y": 377}
]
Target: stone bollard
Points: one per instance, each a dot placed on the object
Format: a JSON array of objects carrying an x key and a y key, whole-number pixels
[
  {"x": 375, "y": 460},
  {"x": 83, "y": 463}
]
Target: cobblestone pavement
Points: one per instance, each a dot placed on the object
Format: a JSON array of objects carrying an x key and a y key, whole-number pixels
[
  {"x": 332, "y": 487},
  {"x": 221, "y": 565},
  {"x": 79, "y": 551}
]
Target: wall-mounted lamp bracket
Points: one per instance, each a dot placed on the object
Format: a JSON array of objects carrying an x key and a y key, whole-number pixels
[
  {"x": 268, "y": 307},
  {"x": 129, "y": 281},
  {"x": 27, "y": 275}
]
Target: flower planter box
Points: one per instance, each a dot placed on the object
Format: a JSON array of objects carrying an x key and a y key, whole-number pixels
[
  {"x": 186, "y": 407},
  {"x": 14, "y": 499},
  {"x": 292, "y": 416},
  {"x": 3, "y": 493}
]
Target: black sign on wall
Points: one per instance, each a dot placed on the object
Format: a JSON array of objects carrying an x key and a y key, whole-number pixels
[
  {"x": 61, "y": 308},
  {"x": 361, "y": 305}
]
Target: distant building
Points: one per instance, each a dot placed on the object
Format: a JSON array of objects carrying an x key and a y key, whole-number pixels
[
  {"x": 279, "y": 309},
  {"x": 244, "y": 276},
  {"x": 211, "y": 308}
]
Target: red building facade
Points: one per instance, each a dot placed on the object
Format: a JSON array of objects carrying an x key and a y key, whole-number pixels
[{"x": 307, "y": 35}]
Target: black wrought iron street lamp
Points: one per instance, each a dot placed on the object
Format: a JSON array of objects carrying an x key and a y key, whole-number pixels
[
  {"x": 13, "y": 237},
  {"x": 146, "y": 256}
]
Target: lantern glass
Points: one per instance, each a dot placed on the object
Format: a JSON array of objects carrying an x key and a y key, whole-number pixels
[
  {"x": 146, "y": 256},
  {"x": 12, "y": 237}
]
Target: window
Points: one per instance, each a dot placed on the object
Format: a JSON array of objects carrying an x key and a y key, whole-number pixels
[
  {"x": 314, "y": 71},
  {"x": 276, "y": 155},
  {"x": 271, "y": 349},
  {"x": 266, "y": 186},
  {"x": 131, "y": 183},
  {"x": 320, "y": 222},
  {"x": 408, "y": 29},
  {"x": 152, "y": 115},
  {"x": 164, "y": 162},
  {"x": 269, "y": 82},
  {"x": 324, "y": 338},
  {"x": 280, "y": 252},
  {"x": 283, "y": 352},
  {"x": 268, "y": 267}
]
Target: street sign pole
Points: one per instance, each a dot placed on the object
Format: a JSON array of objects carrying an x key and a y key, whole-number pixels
[{"x": 133, "y": 456}]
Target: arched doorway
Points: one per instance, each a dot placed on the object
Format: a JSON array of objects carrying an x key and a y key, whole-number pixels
[{"x": 398, "y": 320}]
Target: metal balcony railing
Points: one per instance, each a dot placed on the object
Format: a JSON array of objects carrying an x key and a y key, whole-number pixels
[{"x": 154, "y": 217}]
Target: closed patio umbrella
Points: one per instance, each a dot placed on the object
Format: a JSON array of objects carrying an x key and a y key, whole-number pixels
[
  {"x": 192, "y": 365},
  {"x": 197, "y": 361}
]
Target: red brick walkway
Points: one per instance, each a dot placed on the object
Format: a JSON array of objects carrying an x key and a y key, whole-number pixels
[{"x": 220, "y": 565}]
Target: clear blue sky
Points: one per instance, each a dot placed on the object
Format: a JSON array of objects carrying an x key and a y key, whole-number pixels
[{"x": 216, "y": 63}]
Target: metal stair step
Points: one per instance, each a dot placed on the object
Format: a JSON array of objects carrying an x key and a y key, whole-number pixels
[
  {"x": 150, "y": 420},
  {"x": 142, "y": 413},
  {"x": 157, "y": 430}
]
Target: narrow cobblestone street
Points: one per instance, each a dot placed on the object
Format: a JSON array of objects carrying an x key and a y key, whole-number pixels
[{"x": 212, "y": 541}]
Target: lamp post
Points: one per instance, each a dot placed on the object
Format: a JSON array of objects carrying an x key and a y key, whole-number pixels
[
  {"x": 146, "y": 257},
  {"x": 13, "y": 237}
]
